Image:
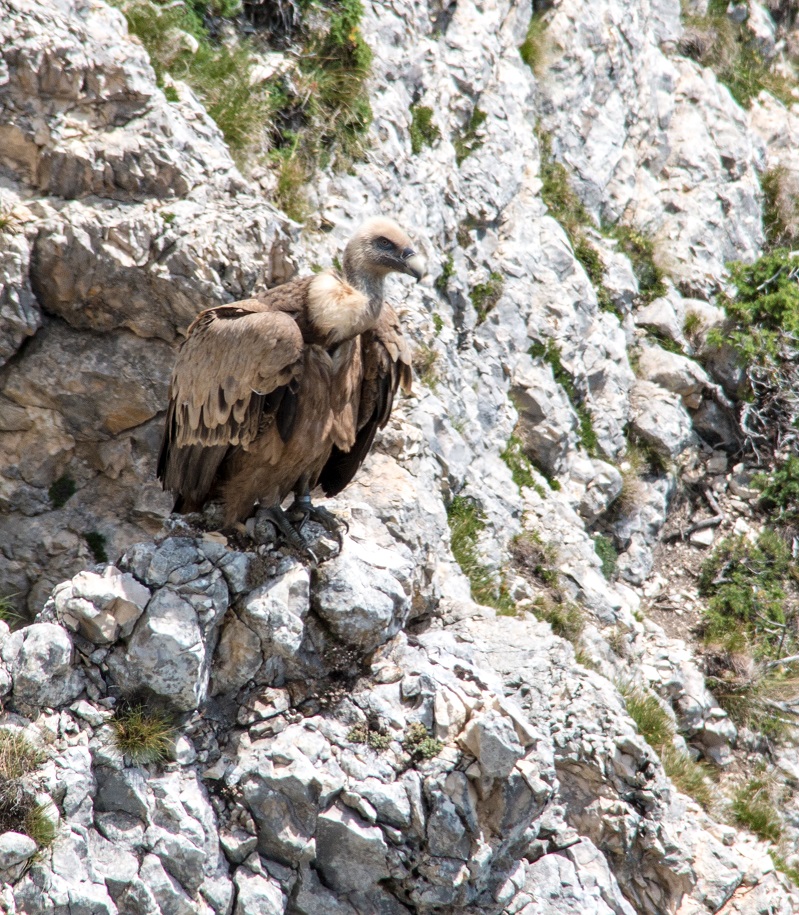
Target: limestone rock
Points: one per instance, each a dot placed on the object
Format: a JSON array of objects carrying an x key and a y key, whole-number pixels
[{"x": 660, "y": 419}]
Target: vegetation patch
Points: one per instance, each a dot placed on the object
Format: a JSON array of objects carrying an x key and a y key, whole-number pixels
[
  {"x": 730, "y": 49},
  {"x": 315, "y": 113},
  {"x": 61, "y": 491},
  {"x": 518, "y": 463},
  {"x": 657, "y": 729},
  {"x": 746, "y": 586},
  {"x": 419, "y": 744},
  {"x": 469, "y": 140},
  {"x": 641, "y": 251},
  {"x": 19, "y": 809},
  {"x": 533, "y": 48},
  {"x": 485, "y": 295},
  {"x": 442, "y": 280},
  {"x": 780, "y": 491},
  {"x": 425, "y": 360},
  {"x": 142, "y": 734},
  {"x": 96, "y": 544},
  {"x": 608, "y": 554},
  {"x": 466, "y": 521},
  {"x": 423, "y": 131},
  {"x": 754, "y": 808},
  {"x": 565, "y": 617},
  {"x": 534, "y": 558},
  {"x": 780, "y": 208},
  {"x": 372, "y": 738},
  {"x": 550, "y": 353}
]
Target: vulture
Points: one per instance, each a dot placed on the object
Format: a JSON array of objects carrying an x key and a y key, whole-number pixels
[{"x": 284, "y": 392}]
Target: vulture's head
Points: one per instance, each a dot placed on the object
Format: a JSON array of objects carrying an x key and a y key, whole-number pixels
[{"x": 380, "y": 247}]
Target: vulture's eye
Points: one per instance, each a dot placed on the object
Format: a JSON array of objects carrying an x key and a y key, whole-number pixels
[{"x": 384, "y": 244}]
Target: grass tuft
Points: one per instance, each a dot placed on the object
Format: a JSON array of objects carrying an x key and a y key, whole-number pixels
[
  {"x": 518, "y": 463},
  {"x": 753, "y": 808},
  {"x": 19, "y": 809},
  {"x": 641, "y": 251},
  {"x": 466, "y": 521},
  {"x": 141, "y": 734},
  {"x": 425, "y": 360},
  {"x": 96, "y": 543},
  {"x": 608, "y": 554},
  {"x": 657, "y": 729}
]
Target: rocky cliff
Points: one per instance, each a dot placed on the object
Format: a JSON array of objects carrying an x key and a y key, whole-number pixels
[{"x": 430, "y": 721}]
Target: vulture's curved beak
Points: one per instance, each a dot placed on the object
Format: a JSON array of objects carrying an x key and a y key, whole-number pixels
[{"x": 414, "y": 264}]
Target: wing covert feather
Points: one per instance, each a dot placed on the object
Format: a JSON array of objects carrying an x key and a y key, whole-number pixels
[{"x": 232, "y": 359}]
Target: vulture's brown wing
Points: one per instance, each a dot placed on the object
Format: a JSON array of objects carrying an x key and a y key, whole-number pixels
[
  {"x": 386, "y": 361},
  {"x": 237, "y": 366}
]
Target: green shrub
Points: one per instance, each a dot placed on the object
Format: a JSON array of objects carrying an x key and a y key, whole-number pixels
[
  {"x": 780, "y": 491},
  {"x": 142, "y": 734},
  {"x": 96, "y": 544},
  {"x": 315, "y": 114},
  {"x": 423, "y": 131},
  {"x": 442, "y": 280},
  {"x": 419, "y": 744},
  {"x": 363, "y": 734},
  {"x": 745, "y": 586},
  {"x": 657, "y": 729},
  {"x": 61, "y": 491}
]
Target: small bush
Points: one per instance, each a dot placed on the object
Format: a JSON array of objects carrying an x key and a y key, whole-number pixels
[
  {"x": 423, "y": 131},
  {"x": 61, "y": 491},
  {"x": 419, "y": 744},
  {"x": 485, "y": 296},
  {"x": 566, "y": 618},
  {"x": 780, "y": 491},
  {"x": 534, "y": 559},
  {"x": 657, "y": 728},
  {"x": 781, "y": 208},
  {"x": 363, "y": 734},
  {"x": 96, "y": 543},
  {"x": 143, "y": 735},
  {"x": 730, "y": 50},
  {"x": 745, "y": 584}
]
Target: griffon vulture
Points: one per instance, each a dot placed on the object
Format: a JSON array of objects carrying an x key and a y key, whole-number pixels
[{"x": 280, "y": 393}]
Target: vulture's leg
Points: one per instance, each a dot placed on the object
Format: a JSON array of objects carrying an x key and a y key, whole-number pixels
[
  {"x": 303, "y": 510},
  {"x": 280, "y": 519}
]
